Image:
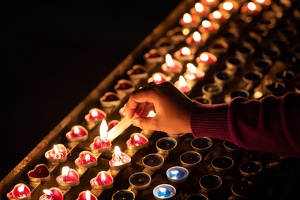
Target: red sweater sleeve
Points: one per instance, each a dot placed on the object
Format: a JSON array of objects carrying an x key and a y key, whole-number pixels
[{"x": 270, "y": 124}]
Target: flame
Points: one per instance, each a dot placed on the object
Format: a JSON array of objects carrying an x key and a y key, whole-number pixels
[
  {"x": 102, "y": 176},
  {"x": 157, "y": 77},
  {"x": 21, "y": 188},
  {"x": 87, "y": 195},
  {"x": 260, "y": 1},
  {"x": 65, "y": 171},
  {"x": 56, "y": 150},
  {"x": 217, "y": 14},
  {"x": 191, "y": 67},
  {"x": 257, "y": 94},
  {"x": 169, "y": 60},
  {"x": 48, "y": 192},
  {"x": 227, "y": 6},
  {"x": 204, "y": 57},
  {"x": 199, "y": 7},
  {"x": 196, "y": 36},
  {"x": 87, "y": 157},
  {"x": 187, "y": 18},
  {"x": 206, "y": 24},
  {"x": 251, "y": 6},
  {"x": 182, "y": 81},
  {"x": 117, "y": 151},
  {"x": 136, "y": 137},
  {"x": 185, "y": 51},
  {"x": 76, "y": 130},
  {"x": 103, "y": 130},
  {"x": 151, "y": 113},
  {"x": 94, "y": 113}
]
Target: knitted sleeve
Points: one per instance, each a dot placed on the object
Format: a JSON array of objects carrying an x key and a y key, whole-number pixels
[{"x": 270, "y": 124}]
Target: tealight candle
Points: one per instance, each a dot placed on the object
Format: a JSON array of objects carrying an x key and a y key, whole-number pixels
[
  {"x": 190, "y": 159},
  {"x": 251, "y": 8},
  {"x": 219, "y": 16},
  {"x": 139, "y": 180},
  {"x": 264, "y": 3},
  {"x": 202, "y": 144},
  {"x": 252, "y": 79},
  {"x": 137, "y": 73},
  {"x": 112, "y": 124},
  {"x": 77, "y": 134},
  {"x": 223, "y": 77},
  {"x": 189, "y": 21},
  {"x": 219, "y": 46},
  {"x": 171, "y": 66},
  {"x": 230, "y": 35},
  {"x": 102, "y": 181},
  {"x": 123, "y": 195},
  {"x": 176, "y": 34},
  {"x": 205, "y": 60},
  {"x": 166, "y": 144},
  {"x": 200, "y": 10},
  {"x": 252, "y": 39},
  {"x": 94, "y": 117},
  {"x": 195, "y": 40},
  {"x": 124, "y": 87},
  {"x": 245, "y": 50},
  {"x": 86, "y": 159},
  {"x": 69, "y": 177},
  {"x": 164, "y": 45},
  {"x": 101, "y": 143},
  {"x": 109, "y": 99},
  {"x": 234, "y": 63},
  {"x": 40, "y": 173},
  {"x": 182, "y": 85},
  {"x": 52, "y": 193},
  {"x": 136, "y": 141},
  {"x": 231, "y": 147},
  {"x": 285, "y": 76},
  {"x": 210, "y": 3},
  {"x": 154, "y": 56},
  {"x": 86, "y": 195},
  {"x": 20, "y": 191},
  {"x": 237, "y": 93},
  {"x": 210, "y": 182},
  {"x": 208, "y": 28},
  {"x": 271, "y": 52},
  {"x": 164, "y": 191},
  {"x": 250, "y": 169},
  {"x": 276, "y": 88},
  {"x": 262, "y": 64},
  {"x": 242, "y": 189},
  {"x": 184, "y": 54},
  {"x": 222, "y": 164},
  {"x": 192, "y": 74},
  {"x": 158, "y": 78},
  {"x": 57, "y": 154},
  {"x": 119, "y": 159},
  {"x": 211, "y": 90},
  {"x": 229, "y": 6},
  {"x": 177, "y": 174},
  {"x": 153, "y": 161}
]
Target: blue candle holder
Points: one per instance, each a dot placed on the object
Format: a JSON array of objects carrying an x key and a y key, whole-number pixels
[
  {"x": 164, "y": 191},
  {"x": 177, "y": 174}
]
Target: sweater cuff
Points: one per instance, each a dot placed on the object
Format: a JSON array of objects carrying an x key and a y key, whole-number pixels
[{"x": 210, "y": 120}]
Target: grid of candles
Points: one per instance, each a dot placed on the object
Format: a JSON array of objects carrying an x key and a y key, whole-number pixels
[{"x": 196, "y": 27}]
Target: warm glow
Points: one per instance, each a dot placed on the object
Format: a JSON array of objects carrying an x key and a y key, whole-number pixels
[
  {"x": 196, "y": 36},
  {"x": 21, "y": 188},
  {"x": 76, "y": 130},
  {"x": 187, "y": 18},
  {"x": 102, "y": 176},
  {"x": 191, "y": 68},
  {"x": 157, "y": 77},
  {"x": 182, "y": 81},
  {"x": 151, "y": 113},
  {"x": 186, "y": 51},
  {"x": 169, "y": 60},
  {"x": 204, "y": 57},
  {"x": 103, "y": 130},
  {"x": 56, "y": 150},
  {"x": 94, "y": 113},
  {"x": 206, "y": 24},
  {"x": 87, "y": 195},
  {"x": 260, "y": 1},
  {"x": 217, "y": 14},
  {"x": 65, "y": 171},
  {"x": 199, "y": 7},
  {"x": 117, "y": 151},
  {"x": 136, "y": 138},
  {"x": 87, "y": 157},
  {"x": 48, "y": 192},
  {"x": 251, "y": 6},
  {"x": 257, "y": 94},
  {"x": 227, "y": 6}
]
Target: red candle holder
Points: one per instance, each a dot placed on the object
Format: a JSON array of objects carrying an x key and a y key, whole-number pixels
[
  {"x": 86, "y": 159},
  {"x": 208, "y": 28},
  {"x": 52, "y": 193},
  {"x": 171, "y": 66},
  {"x": 189, "y": 21},
  {"x": 210, "y": 3},
  {"x": 181, "y": 85},
  {"x": 195, "y": 40},
  {"x": 94, "y": 117},
  {"x": 68, "y": 178},
  {"x": 200, "y": 10},
  {"x": 20, "y": 191},
  {"x": 137, "y": 73},
  {"x": 158, "y": 78},
  {"x": 109, "y": 99},
  {"x": 100, "y": 145},
  {"x": 251, "y": 8},
  {"x": 119, "y": 160},
  {"x": 124, "y": 87},
  {"x": 205, "y": 60},
  {"x": 40, "y": 173},
  {"x": 176, "y": 34},
  {"x": 136, "y": 141},
  {"x": 77, "y": 134},
  {"x": 57, "y": 154},
  {"x": 86, "y": 195},
  {"x": 154, "y": 56},
  {"x": 229, "y": 6},
  {"x": 102, "y": 181},
  {"x": 184, "y": 54}
]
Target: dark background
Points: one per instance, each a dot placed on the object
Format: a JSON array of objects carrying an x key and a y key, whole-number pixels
[{"x": 55, "y": 54}]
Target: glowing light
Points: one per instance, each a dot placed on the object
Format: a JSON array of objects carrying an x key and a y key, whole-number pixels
[
  {"x": 187, "y": 18},
  {"x": 196, "y": 36},
  {"x": 186, "y": 51},
  {"x": 199, "y": 7},
  {"x": 103, "y": 130}
]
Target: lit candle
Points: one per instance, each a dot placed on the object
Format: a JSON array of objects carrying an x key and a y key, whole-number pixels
[
  {"x": 77, "y": 134},
  {"x": 190, "y": 159},
  {"x": 119, "y": 159},
  {"x": 94, "y": 117},
  {"x": 210, "y": 3},
  {"x": 124, "y": 87},
  {"x": 205, "y": 60},
  {"x": 195, "y": 40},
  {"x": 40, "y": 173},
  {"x": 264, "y": 3},
  {"x": 219, "y": 16},
  {"x": 200, "y": 10},
  {"x": 189, "y": 21},
  {"x": 166, "y": 144},
  {"x": 86, "y": 159},
  {"x": 109, "y": 100},
  {"x": 68, "y": 178},
  {"x": 218, "y": 46},
  {"x": 136, "y": 141},
  {"x": 101, "y": 143},
  {"x": 158, "y": 78},
  {"x": 182, "y": 85},
  {"x": 86, "y": 195},
  {"x": 153, "y": 161},
  {"x": 52, "y": 193},
  {"x": 177, "y": 174},
  {"x": 154, "y": 56},
  {"x": 20, "y": 191},
  {"x": 139, "y": 180},
  {"x": 164, "y": 191},
  {"x": 171, "y": 65},
  {"x": 250, "y": 8},
  {"x": 102, "y": 181},
  {"x": 208, "y": 28},
  {"x": 137, "y": 73},
  {"x": 193, "y": 73},
  {"x": 184, "y": 54},
  {"x": 57, "y": 154},
  {"x": 229, "y": 6}
]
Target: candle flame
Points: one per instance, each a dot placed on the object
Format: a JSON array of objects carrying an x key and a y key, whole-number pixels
[
  {"x": 87, "y": 195},
  {"x": 117, "y": 151},
  {"x": 227, "y": 5},
  {"x": 196, "y": 36},
  {"x": 191, "y": 67},
  {"x": 187, "y": 18},
  {"x": 217, "y": 14},
  {"x": 87, "y": 157},
  {"x": 103, "y": 130},
  {"x": 94, "y": 113},
  {"x": 21, "y": 188},
  {"x": 157, "y": 77},
  {"x": 151, "y": 113},
  {"x": 169, "y": 60},
  {"x": 65, "y": 171},
  {"x": 251, "y": 6},
  {"x": 48, "y": 192},
  {"x": 182, "y": 81},
  {"x": 257, "y": 94},
  {"x": 206, "y": 23},
  {"x": 102, "y": 176},
  {"x": 199, "y": 7},
  {"x": 56, "y": 150},
  {"x": 136, "y": 137},
  {"x": 76, "y": 130},
  {"x": 204, "y": 57},
  {"x": 260, "y": 1},
  {"x": 185, "y": 51}
]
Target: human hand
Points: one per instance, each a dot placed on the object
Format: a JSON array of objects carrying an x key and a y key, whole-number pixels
[{"x": 171, "y": 106}]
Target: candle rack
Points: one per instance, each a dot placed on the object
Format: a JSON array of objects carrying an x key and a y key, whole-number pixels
[{"x": 278, "y": 174}]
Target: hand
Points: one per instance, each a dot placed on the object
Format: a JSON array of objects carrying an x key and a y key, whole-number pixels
[{"x": 171, "y": 106}]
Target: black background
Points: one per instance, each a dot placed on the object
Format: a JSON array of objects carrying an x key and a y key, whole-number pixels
[{"x": 55, "y": 54}]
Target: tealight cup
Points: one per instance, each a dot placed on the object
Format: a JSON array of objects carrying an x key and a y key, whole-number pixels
[
  {"x": 222, "y": 164},
  {"x": 210, "y": 182},
  {"x": 271, "y": 53},
  {"x": 190, "y": 159},
  {"x": 202, "y": 144},
  {"x": 102, "y": 181},
  {"x": 285, "y": 76},
  {"x": 20, "y": 191},
  {"x": 136, "y": 141},
  {"x": 177, "y": 174},
  {"x": 234, "y": 63},
  {"x": 276, "y": 88},
  {"x": 139, "y": 180},
  {"x": 242, "y": 189},
  {"x": 153, "y": 161},
  {"x": 164, "y": 191},
  {"x": 250, "y": 169},
  {"x": 223, "y": 77},
  {"x": 165, "y": 145},
  {"x": 262, "y": 64},
  {"x": 137, "y": 73},
  {"x": 196, "y": 197},
  {"x": 123, "y": 195},
  {"x": 231, "y": 147},
  {"x": 211, "y": 90},
  {"x": 252, "y": 79},
  {"x": 245, "y": 51},
  {"x": 237, "y": 93},
  {"x": 202, "y": 100}
]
